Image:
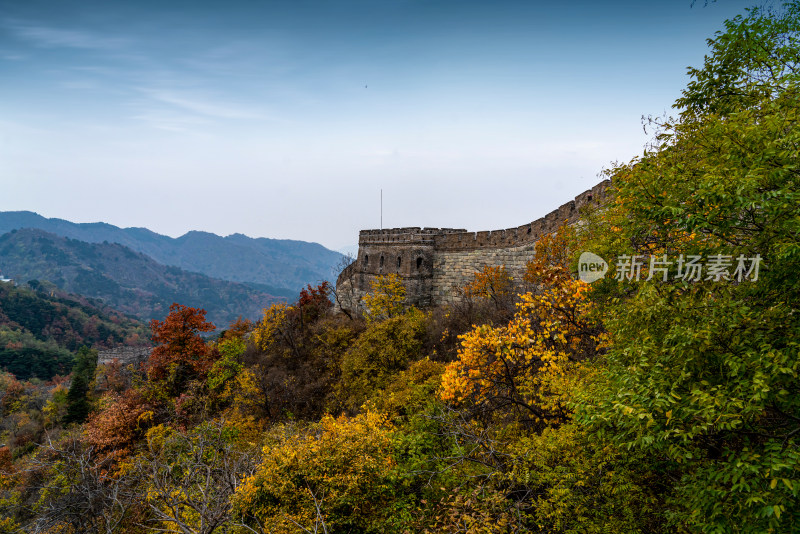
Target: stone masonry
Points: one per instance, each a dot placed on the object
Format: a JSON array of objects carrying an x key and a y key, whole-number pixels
[
  {"x": 126, "y": 355},
  {"x": 432, "y": 261}
]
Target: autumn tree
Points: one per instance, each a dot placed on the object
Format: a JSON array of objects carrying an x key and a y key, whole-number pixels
[
  {"x": 487, "y": 298},
  {"x": 181, "y": 354},
  {"x": 493, "y": 283},
  {"x": 299, "y": 348},
  {"x": 119, "y": 423},
  {"x": 187, "y": 478},
  {"x": 382, "y": 351},
  {"x": 314, "y": 302},
  {"x": 79, "y": 491},
  {"x": 238, "y": 329},
  {"x": 386, "y": 298},
  {"x": 337, "y": 473},
  {"x": 525, "y": 367}
]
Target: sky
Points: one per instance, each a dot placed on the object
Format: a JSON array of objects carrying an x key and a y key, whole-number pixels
[{"x": 287, "y": 119}]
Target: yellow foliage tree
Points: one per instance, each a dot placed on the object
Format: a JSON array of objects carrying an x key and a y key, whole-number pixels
[
  {"x": 387, "y": 298},
  {"x": 378, "y": 355},
  {"x": 267, "y": 330},
  {"x": 336, "y": 473},
  {"x": 188, "y": 477}
]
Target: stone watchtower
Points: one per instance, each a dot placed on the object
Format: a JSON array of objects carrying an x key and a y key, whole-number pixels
[
  {"x": 407, "y": 252},
  {"x": 432, "y": 261}
]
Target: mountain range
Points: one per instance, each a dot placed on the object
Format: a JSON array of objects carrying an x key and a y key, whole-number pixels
[
  {"x": 280, "y": 267},
  {"x": 129, "y": 281}
]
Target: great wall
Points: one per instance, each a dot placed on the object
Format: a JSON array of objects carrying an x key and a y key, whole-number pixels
[
  {"x": 433, "y": 261},
  {"x": 126, "y": 356}
]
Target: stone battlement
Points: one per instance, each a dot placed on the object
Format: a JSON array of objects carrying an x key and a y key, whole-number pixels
[{"x": 431, "y": 261}]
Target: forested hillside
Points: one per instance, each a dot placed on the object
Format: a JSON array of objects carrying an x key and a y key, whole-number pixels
[
  {"x": 280, "y": 267},
  {"x": 41, "y": 327},
  {"x": 126, "y": 280},
  {"x": 663, "y": 397}
]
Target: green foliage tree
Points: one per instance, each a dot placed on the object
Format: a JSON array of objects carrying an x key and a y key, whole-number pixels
[
  {"x": 78, "y": 397},
  {"x": 705, "y": 373},
  {"x": 754, "y": 60},
  {"x": 383, "y": 350}
]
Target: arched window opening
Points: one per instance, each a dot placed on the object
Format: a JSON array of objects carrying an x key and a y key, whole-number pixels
[
  {"x": 366, "y": 260},
  {"x": 419, "y": 263},
  {"x": 399, "y": 262},
  {"x": 381, "y": 263}
]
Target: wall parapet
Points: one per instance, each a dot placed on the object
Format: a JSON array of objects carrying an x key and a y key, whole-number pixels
[
  {"x": 432, "y": 260},
  {"x": 404, "y": 235},
  {"x": 460, "y": 239}
]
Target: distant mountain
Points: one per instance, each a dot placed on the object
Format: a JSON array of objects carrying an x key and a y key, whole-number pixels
[
  {"x": 127, "y": 280},
  {"x": 39, "y": 330},
  {"x": 282, "y": 265}
]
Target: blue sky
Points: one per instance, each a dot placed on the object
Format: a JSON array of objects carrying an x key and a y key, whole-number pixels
[{"x": 286, "y": 119}]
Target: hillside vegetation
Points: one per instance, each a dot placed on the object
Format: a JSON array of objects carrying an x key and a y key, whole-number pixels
[
  {"x": 40, "y": 330},
  {"x": 663, "y": 398}
]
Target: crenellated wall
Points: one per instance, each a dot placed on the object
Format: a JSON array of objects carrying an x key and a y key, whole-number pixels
[{"x": 431, "y": 261}]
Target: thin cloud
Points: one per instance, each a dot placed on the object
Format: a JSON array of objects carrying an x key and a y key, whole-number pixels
[
  {"x": 50, "y": 37},
  {"x": 204, "y": 106}
]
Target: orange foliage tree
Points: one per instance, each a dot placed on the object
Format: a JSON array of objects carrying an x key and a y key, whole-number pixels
[
  {"x": 313, "y": 302},
  {"x": 180, "y": 352},
  {"x": 491, "y": 282},
  {"x": 524, "y": 367},
  {"x": 239, "y": 329},
  {"x": 121, "y": 421}
]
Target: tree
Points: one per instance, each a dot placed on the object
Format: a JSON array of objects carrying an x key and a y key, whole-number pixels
[
  {"x": 494, "y": 283},
  {"x": 79, "y": 492},
  {"x": 313, "y": 302},
  {"x": 525, "y": 367},
  {"x": 120, "y": 421},
  {"x": 704, "y": 373},
  {"x": 384, "y": 349},
  {"x": 754, "y": 60},
  {"x": 189, "y": 477},
  {"x": 297, "y": 353},
  {"x": 338, "y": 472},
  {"x": 78, "y": 402},
  {"x": 181, "y": 354},
  {"x": 238, "y": 329},
  {"x": 387, "y": 298}
]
